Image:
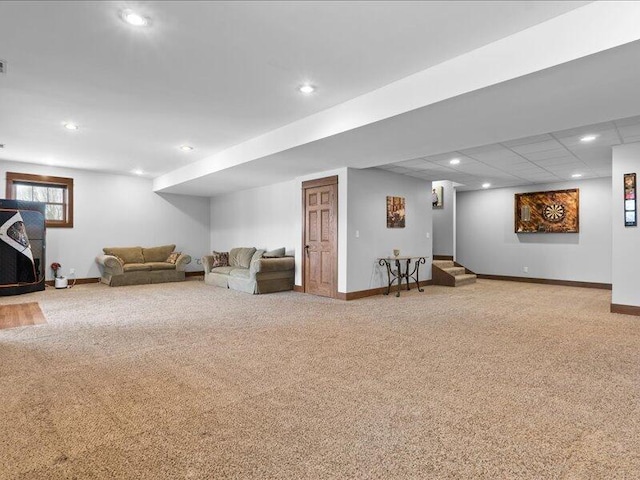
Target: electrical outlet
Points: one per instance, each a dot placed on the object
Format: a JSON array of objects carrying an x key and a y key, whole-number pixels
[
  {"x": 357, "y": 233},
  {"x": 428, "y": 235},
  {"x": 525, "y": 269},
  {"x": 72, "y": 271}
]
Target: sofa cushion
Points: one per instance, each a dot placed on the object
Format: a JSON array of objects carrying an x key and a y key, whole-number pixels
[
  {"x": 157, "y": 254},
  {"x": 220, "y": 259},
  {"x": 223, "y": 270},
  {"x": 241, "y": 257},
  {"x": 277, "y": 253},
  {"x": 161, "y": 265},
  {"x": 136, "y": 267},
  {"x": 240, "y": 273},
  {"x": 173, "y": 257},
  {"x": 126, "y": 254}
]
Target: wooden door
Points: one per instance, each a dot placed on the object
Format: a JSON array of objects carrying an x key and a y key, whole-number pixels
[{"x": 320, "y": 247}]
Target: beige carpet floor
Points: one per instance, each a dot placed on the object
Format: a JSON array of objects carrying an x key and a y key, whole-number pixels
[{"x": 495, "y": 380}]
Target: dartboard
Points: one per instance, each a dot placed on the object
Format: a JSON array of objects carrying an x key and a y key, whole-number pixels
[{"x": 554, "y": 212}]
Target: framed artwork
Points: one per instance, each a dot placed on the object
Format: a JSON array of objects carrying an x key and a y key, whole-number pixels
[
  {"x": 630, "y": 219},
  {"x": 395, "y": 212},
  {"x": 556, "y": 211},
  {"x": 437, "y": 196}
]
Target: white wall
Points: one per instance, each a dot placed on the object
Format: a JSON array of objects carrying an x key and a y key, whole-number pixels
[
  {"x": 261, "y": 217},
  {"x": 271, "y": 217},
  {"x": 119, "y": 210},
  {"x": 366, "y": 214},
  {"x": 626, "y": 240},
  {"x": 487, "y": 244},
  {"x": 443, "y": 221}
]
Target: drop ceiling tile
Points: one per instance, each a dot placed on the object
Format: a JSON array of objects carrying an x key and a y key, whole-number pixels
[
  {"x": 430, "y": 173},
  {"x": 527, "y": 171},
  {"x": 538, "y": 178},
  {"x": 403, "y": 170},
  {"x": 546, "y": 154},
  {"x": 420, "y": 174},
  {"x": 551, "y": 144},
  {"x": 557, "y": 161},
  {"x": 439, "y": 168},
  {"x": 571, "y": 171},
  {"x": 498, "y": 157},
  {"x": 442, "y": 157},
  {"x": 598, "y": 128},
  {"x": 527, "y": 140},
  {"x": 605, "y": 137},
  {"x": 494, "y": 147},
  {"x": 417, "y": 163},
  {"x": 603, "y": 154},
  {"x": 396, "y": 169},
  {"x": 446, "y": 161},
  {"x": 477, "y": 169}
]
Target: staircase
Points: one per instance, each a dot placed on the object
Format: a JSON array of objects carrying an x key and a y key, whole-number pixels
[{"x": 447, "y": 272}]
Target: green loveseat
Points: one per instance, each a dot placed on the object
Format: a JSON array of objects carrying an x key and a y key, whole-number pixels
[
  {"x": 138, "y": 265},
  {"x": 248, "y": 271}
]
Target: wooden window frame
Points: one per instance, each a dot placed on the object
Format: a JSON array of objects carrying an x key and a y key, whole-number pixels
[{"x": 45, "y": 180}]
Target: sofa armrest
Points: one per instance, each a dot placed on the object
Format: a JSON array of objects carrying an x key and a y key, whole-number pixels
[
  {"x": 207, "y": 262},
  {"x": 182, "y": 262},
  {"x": 279, "y": 264},
  {"x": 110, "y": 262}
]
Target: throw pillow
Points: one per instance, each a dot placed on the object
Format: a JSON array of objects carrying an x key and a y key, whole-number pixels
[
  {"x": 173, "y": 257},
  {"x": 220, "y": 259},
  {"x": 257, "y": 255},
  {"x": 241, "y": 256},
  {"x": 277, "y": 253}
]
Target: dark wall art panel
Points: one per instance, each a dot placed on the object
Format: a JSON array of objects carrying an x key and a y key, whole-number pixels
[
  {"x": 22, "y": 247},
  {"x": 556, "y": 211}
]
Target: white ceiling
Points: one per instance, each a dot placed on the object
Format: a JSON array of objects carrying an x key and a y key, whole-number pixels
[
  {"x": 546, "y": 158},
  {"x": 595, "y": 89},
  {"x": 212, "y": 74}
]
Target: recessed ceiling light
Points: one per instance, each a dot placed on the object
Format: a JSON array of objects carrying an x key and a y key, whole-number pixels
[
  {"x": 588, "y": 138},
  {"x": 486, "y": 185},
  {"x": 186, "y": 148},
  {"x": 307, "y": 88},
  {"x": 576, "y": 175},
  {"x": 133, "y": 18},
  {"x": 454, "y": 161},
  {"x": 70, "y": 126},
  {"x": 137, "y": 171}
]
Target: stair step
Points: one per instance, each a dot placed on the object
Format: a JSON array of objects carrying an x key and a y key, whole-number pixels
[
  {"x": 455, "y": 270},
  {"x": 465, "y": 279},
  {"x": 443, "y": 263}
]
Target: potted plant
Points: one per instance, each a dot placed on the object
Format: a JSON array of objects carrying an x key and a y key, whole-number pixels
[
  {"x": 55, "y": 266},
  {"x": 59, "y": 281}
]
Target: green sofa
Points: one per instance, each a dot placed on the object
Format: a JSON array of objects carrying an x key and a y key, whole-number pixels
[
  {"x": 249, "y": 272},
  {"x": 138, "y": 265}
]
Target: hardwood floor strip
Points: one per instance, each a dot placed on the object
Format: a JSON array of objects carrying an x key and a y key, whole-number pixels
[{"x": 20, "y": 315}]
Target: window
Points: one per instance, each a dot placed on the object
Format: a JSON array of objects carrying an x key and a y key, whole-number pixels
[{"x": 56, "y": 192}]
